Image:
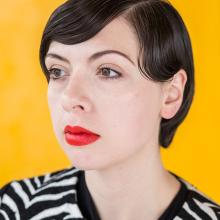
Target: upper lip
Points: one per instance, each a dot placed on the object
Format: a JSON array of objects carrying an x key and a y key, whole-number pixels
[{"x": 77, "y": 130}]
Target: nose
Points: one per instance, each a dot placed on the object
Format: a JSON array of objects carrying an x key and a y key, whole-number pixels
[{"x": 75, "y": 96}]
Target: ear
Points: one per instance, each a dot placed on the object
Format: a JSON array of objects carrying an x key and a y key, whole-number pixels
[{"x": 173, "y": 94}]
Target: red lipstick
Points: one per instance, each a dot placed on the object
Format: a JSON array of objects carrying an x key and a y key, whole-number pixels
[{"x": 78, "y": 136}]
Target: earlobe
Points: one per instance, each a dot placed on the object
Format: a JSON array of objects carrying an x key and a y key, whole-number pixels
[{"x": 173, "y": 94}]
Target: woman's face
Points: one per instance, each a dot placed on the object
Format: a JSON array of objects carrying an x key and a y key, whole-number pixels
[{"x": 116, "y": 103}]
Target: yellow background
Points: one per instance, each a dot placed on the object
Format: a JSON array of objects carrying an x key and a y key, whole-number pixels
[{"x": 28, "y": 146}]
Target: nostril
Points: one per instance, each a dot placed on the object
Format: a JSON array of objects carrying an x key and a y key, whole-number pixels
[
  {"x": 78, "y": 106},
  {"x": 75, "y": 103}
]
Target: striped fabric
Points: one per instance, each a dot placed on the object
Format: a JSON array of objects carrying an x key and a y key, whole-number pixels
[{"x": 53, "y": 197}]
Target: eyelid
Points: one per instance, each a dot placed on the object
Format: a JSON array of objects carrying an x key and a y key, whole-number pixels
[
  {"x": 56, "y": 66},
  {"x": 112, "y": 66}
]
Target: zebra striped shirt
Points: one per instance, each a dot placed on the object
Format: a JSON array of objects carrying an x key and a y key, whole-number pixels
[{"x": 55, "y": 196}]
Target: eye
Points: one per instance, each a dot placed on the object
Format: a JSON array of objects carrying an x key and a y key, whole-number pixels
[
  {"x": 108, "y": 73},
  {"x": 55, "y": 73}
]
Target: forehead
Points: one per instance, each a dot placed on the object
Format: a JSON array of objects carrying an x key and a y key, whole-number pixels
[{"x": 117, "y": 35}]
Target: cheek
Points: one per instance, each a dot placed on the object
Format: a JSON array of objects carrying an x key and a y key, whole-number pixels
[
  {"x": 133, "y": 119},
  {"x": 55, "y": 109},
  {"x": 52, "y": 102}
]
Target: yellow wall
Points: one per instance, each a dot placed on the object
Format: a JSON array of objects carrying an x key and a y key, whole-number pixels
[{"x": 27, "y": 143}]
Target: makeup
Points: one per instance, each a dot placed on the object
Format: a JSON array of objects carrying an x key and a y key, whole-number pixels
[{"x": 79, "y": 136}]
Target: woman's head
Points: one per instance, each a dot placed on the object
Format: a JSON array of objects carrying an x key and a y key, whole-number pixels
[{"x": 146, "y": 101}]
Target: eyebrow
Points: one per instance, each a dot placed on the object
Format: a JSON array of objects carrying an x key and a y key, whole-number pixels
[{"x": 93, "y": 57}]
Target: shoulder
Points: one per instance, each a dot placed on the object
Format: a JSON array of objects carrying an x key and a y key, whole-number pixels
[
  {"x": 198, "y": 205},
  {"x": 40, "y": 195}
]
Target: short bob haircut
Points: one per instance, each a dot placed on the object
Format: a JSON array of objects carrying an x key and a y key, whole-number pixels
[{"x": 165, "y": 45}]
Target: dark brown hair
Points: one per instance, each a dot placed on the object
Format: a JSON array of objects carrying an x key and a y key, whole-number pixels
[{"x": 164, "y": 41}]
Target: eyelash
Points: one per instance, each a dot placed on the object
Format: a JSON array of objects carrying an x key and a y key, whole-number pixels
[
  {"x": 99, "y": 70},
  {"x": 111, "y": 78}
]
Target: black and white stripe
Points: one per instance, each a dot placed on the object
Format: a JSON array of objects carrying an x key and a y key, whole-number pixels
[
  {"x": 198, "y": 206},
  {"x": 49, "y": 196},
  {"x": 53, "y": 196}
]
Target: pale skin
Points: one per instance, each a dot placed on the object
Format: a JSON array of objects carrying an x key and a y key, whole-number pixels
[{"x": 123, "y": 169}]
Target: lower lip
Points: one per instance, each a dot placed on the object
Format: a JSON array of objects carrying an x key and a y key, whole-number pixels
[{"x": 80, "y": 139}]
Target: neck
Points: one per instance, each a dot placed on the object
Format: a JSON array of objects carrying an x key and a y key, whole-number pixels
[{"x": 140, "y": 183}]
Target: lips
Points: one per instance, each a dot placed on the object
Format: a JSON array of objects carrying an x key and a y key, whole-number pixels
[{"x": 78, "y": 136}]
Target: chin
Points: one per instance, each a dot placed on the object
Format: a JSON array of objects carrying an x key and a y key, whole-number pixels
[
  {"x": 80, "y": 160},
  {"x": 84, "y": 159}
]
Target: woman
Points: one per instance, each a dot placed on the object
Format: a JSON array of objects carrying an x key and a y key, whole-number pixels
[{"x": 120, "y": 81}]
